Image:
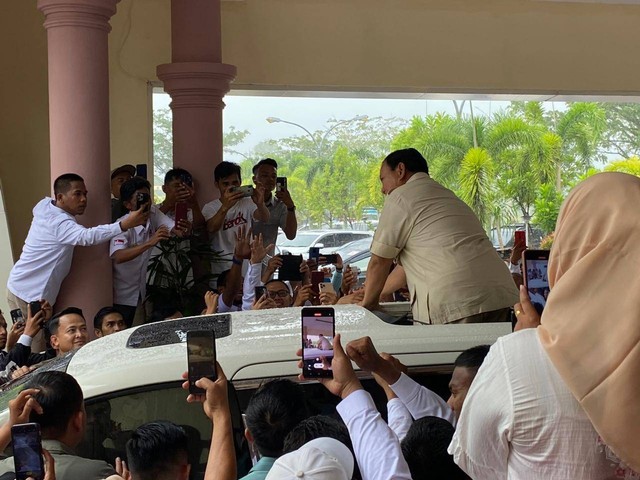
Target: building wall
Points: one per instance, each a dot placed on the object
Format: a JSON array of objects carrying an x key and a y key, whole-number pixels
[{"x": 459, "y": 46}]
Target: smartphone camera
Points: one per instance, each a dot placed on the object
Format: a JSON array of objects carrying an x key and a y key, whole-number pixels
[
  {"x": 201, "y": 358},
  {"x": 187, "y": 179},
  {"x": 318, "y": 331},
  {"x": 142, "y": 198}
]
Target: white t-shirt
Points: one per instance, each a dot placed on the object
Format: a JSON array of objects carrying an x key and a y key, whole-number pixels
[
  {"x": 241, "y": 214},
  {"x": 48, "y": 250},
  {"x": 130, "y": 278},
  {"x": 520, "y": 421}
]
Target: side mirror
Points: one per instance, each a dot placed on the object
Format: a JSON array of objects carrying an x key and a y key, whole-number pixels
[{"x": 319, "y": 245}]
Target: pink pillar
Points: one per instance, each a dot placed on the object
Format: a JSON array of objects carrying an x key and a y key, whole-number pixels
[
  {"x": 77, "y": 32},
  {"x": 197, "y": 82}
]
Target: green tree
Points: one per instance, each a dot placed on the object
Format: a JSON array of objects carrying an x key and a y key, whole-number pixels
[
  {"x": 622, "y": 135},
  {"x": 547, "y": 207},
  {"x": 630, "y": 166}
]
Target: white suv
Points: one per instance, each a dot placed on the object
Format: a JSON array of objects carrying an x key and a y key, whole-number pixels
[
  {"x": 134, "y": 376},
  {"x": 327, "y": 240}
]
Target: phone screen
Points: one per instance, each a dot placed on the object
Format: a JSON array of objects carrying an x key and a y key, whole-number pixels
[
  {"x": 281, "y": 184},
  {"x": 27, "y": 451},
  {"x": 201, "y": 358},
  {"x": 16, "y": 315},
  {"x": 318, "y": 330},
  {"x": 536, "y": 277}
]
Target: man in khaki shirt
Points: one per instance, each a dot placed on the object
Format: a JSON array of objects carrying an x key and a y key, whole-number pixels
[{"x": 453, "y": 273}]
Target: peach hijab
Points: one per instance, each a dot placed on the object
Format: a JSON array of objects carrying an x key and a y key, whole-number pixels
[{"x": 590, "y": 327}]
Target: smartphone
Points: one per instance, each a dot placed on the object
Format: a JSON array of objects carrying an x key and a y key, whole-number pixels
[
  {"x": 201, "y": 358},
  {"x": 314, "y": 252},
  {"x": 520, "y": 237},
  {"x": 281, "y": 184},
  {"x": 536, "y": 278},
  {"x": 326, "y": 259},
  {"x": 260, "y": 292},
  {"x": 290, "y": 268},
  {"x": 16, "y": 316},
  {"x": 35, "y": 307},
  {"x": 326, "y": 287},
  {"x": 318, "y": 330},
  {"x": 182, "y": 212},
  {"x": 141, "y": 170},
  {"x": 187, "y": 179},
  {"x": 27, "y": 451},
  {"x": 142, "y": 198},
  {"x": 247, "y": 190},
  {"x": 316, "y": 279}
]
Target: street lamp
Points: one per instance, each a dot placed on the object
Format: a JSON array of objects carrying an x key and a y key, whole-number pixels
[{"x": 319, "y": 145}]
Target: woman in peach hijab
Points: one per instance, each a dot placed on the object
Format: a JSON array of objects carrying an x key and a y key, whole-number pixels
[{"x": 563, "y": 401}]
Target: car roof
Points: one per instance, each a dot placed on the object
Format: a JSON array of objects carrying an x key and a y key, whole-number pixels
[{"x": 263, "y": 344}]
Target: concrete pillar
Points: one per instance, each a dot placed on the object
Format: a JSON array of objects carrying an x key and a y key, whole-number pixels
[
  {"x": 197, "y": 81},
  {"x": 77, "y": 41}
]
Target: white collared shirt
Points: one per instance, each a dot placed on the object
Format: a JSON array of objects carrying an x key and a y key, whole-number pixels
[
  {"x": 48, "y": 250},
  {"x": 376, "y": 446},
  {"x": 130, "y": 278},
  {"x": 520, "y": 421},
  {"x": 420, "y": 401}
]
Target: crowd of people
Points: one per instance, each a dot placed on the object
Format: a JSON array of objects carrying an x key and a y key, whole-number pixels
[{"x": 557, "y": 399}]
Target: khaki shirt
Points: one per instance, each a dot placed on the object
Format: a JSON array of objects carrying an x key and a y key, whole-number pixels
[
  {"x": 452, "y": 269},
  {"x": 68, "y": 465}
]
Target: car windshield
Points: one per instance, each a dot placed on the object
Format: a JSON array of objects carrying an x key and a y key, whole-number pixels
[{"x": 301, "y": 240}]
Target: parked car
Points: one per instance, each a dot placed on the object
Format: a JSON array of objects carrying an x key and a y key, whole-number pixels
[
  {"x": 134, "y": 376},
  {"x": 355, "y": 247},
  {"x": 327, "y": 240}
]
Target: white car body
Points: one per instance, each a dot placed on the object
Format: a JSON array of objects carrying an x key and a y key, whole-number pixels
[{"x": 329, "y": 240}]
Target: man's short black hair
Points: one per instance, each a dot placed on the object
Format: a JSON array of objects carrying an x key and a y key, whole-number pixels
[
  {"x": 226, "y": 169},
  {"x": 54, "y": 322},
  {"x": 176, "y": 173},
  {"x": 157, "y": 448},
  {"x": 162, "y": 312},
  {"x": 62, "y": 184},
  {"x": 425, "y": 450},
  {"x": 472, "y": 357},
  {"x": 316, "y": 427},
  {"x": 128, "y": 188},
  {"x": 60, "y": 397},
  {"x": 103, "y": 312},
  {"x": 273, "y": 411},
  {"x": 413, "y": 160},
  {"x": 265, "y": 161}
]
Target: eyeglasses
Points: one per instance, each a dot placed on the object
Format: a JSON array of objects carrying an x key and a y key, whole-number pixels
[{"x": 278, "y": 293}]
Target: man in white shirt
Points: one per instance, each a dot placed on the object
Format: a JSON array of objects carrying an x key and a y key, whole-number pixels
[
  {"x": 376, "y": 447},
  {"x": 48, "y": 250},
  {"x": 131, "y": 250},
  {"x": 233, "y": 210}
]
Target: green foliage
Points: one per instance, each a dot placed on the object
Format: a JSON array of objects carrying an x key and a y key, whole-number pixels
[
  {"x": 547, "y": 207},
  {"x": 502, "y": 163},
  {"x": 630, "y": 166},
  {"x": 171, "y": 277}
]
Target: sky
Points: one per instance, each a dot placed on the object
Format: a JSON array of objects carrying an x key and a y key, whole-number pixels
[{"x": 250, "y": 113}]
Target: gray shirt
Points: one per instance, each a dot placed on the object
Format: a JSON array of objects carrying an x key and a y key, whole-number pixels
[{"x": 277, "y": 218}]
